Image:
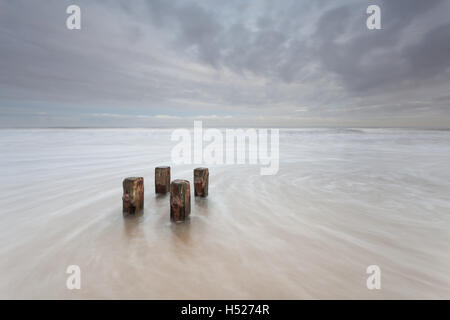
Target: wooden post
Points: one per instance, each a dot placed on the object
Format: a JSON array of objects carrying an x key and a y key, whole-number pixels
[
  {"x": 180, "y": 200},
  {"x": 133, "y": 194},
  {"x": 201, "y": 180},
  {"x": 162, "y": 179}
]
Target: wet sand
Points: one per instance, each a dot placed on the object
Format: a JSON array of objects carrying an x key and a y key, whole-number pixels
[{"x": 341, "y": 201}]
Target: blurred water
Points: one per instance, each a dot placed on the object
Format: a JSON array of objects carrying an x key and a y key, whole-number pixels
[{"x": 342, "y": 200}]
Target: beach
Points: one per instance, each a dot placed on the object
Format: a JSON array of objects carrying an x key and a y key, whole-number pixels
[{"x": 342, "y": 200}]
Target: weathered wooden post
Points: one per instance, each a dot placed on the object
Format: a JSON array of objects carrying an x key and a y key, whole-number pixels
[
  {"x": 201, "y": 180},
  {"x": 133, "y": 194},
  {"x": 180, "y": 200},
  {"x": 162, "y": 179}
]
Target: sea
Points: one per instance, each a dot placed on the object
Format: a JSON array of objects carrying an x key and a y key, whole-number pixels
[{"x": 343, "y": 200}]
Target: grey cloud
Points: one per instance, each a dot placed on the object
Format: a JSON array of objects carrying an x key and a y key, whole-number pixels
[
  {"x": 430, "y": 57},
  {"x": 252, "y": 58},
  {"x": 371, "y": 61}
]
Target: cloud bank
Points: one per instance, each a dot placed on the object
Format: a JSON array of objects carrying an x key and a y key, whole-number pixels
[{"x": 244, "y": 63}]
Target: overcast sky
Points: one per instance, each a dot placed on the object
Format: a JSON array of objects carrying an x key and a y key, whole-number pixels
[{"x": 229, "y": 63}]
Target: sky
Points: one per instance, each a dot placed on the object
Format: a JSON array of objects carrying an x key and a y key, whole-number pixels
[{"x": 258, "y": 63}]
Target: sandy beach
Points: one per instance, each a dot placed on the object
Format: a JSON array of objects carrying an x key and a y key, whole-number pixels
[{"x": 343, "y": 199}]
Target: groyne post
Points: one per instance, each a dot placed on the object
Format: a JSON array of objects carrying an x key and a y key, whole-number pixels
[
  {"x": 162, "y": 179},
  {"x": 180, "y": 200},
  {"x": 201, "y": 181},
  {"x": 133, "y": 194}
]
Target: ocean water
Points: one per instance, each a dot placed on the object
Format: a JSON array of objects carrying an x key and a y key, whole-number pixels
[{"x": 343, "y": 199}]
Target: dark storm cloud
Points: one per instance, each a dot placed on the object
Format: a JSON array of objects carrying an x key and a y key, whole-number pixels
[
  {"x": 284, "y": 62},
  {"x": 372, "y": 60},
  {"x": 430, "y": 57}
]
